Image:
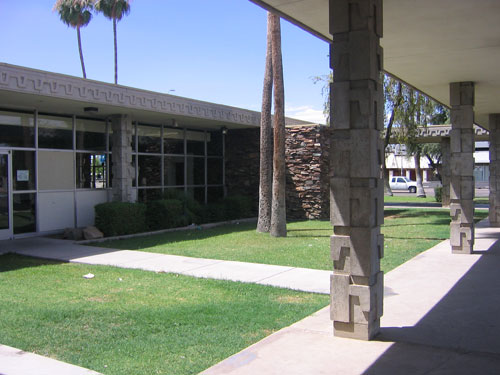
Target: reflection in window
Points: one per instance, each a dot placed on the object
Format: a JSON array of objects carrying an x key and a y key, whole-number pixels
[
  {"x": 195, "y": 171},
  {"x": 23, "y": 167},
  {"x": 55, "y": 132},
  {"x": 198, "y": 193},
  {"x": 24, "y": 213},
  {"x": 90, "y": 135},
  {"x": 149, "y": 139},
  {"x": 173, "y": 141},
  {"x": 195, "y": 143},
  {"x": 145, "y": 195},
  {"x": 90, "y": 171},
  {"x": 215, "y": 194},
  {"x": 173, "y": 170},
  {"x": 149, "y": 170},
  {"x": 214, "y": 143},
  {"x": 17, "y": 129},
  {"x": 214, "y": 171}
]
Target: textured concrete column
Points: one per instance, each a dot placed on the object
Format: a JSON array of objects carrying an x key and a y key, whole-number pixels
[
  {"x": 462, "y": 167},
  {"x": 356, "y": 184},
  {"x": 445, "y": 171},
  {"x": 123, "y": 170},
  {"x": 494, "y": 213}
]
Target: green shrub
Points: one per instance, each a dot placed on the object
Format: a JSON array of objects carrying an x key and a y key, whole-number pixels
[
  {"x": 164, "y": 214},
  {"x": 237, "y": 207},
  {"x": 213, "y": 212},
  {"x": 192, "y": 210},
  {"x": 438, "y": 193},
  {"x": 119, "y": 218}
]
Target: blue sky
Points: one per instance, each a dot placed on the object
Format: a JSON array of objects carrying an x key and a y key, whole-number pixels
[{"x": 207, "y": 50}]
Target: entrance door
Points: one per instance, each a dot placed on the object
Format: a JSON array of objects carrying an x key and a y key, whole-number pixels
[{"x": 5, "y": 201}]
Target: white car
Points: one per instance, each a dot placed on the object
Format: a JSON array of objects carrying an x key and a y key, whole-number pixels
[{"x": 403, "y": 183}]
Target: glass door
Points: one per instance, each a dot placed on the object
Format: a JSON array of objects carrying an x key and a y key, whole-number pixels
[{"x": 5, "y": 201}]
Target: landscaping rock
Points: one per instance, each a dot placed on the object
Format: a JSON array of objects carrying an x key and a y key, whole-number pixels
[{"x": 92, "y": 233}]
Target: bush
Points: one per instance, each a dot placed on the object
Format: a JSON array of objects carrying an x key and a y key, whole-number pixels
[
  {"x": 438, "y": 193},
  {"x": 237, "y": 207},
  {"x": 164, "y": 214},
  {"x": 119, "y": 218}
]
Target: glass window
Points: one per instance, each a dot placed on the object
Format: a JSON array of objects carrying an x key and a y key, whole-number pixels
[
  {"x": 24, "y": 213},
  {"x": 195, "y": 171},
  {"x": 145, "y": 195},
  {"x": 149, "y": 139},
  {"x": 198, "y": 193},
  {"x": 90, "y": 135},
  {"x": 55, "y": 132},
  {"x": 215, "y": 194},
  {"x": 214, "y": 171},
  {"x": 23, "y": 167},
  {"x": 173, "y": 170},
  {"x": 214, "y": 143},
  {"x": 90, "y": 171},
  {"x": 173, "y": 141},
  {"x": 4, "y": 191},
  {"x": 149, "y": 170},
  {"x": 17, "y": 129},
  {"x": 195, "y": 143}
]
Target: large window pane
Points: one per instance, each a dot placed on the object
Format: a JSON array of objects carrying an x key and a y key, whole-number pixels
[
  {"x": 90, "y": 135},
  {"x": 24, "y": 213},
  {"x": 90, "y": 171},
  {"x": 149, "y": 170},
  {"x": 55, "y": 132},
  {"x": 198, "y": 193},
  {"x": 17, "y": 129},
  {"x": 215, "y": 194},
  {"x": 214, "y": 143},
  {"x": 173, "y": 141},
  {"x": 146, "y": 195},
  {"x": 149, "y": 139},
  {"x": 195, "y": 143},
  {"x": 23, "y": 166},
  {"x": 195, "y": 171},
  {"x": 4, "y": 191},
  {"x": 173, "y": 170},
  {"x": 214, "y": 171}
]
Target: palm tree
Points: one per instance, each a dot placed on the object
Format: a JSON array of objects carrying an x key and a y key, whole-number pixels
[
  {"x": 114, "y": 10},
  {"x": 77, "y": 14},
  {"x": 278, "y": 205},
  {"x": 266, "y": 141}
]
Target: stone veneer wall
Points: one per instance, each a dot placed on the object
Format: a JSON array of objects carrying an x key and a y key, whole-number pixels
[{"x": 307, "y": 183}]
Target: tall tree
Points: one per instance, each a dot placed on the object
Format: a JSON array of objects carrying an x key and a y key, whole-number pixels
[
  {"x": 278, "y": 208},
  {"x": 114, "y": 10},
  {"x": 77, "y": 14},
  {"x": 266, "y": 139}
]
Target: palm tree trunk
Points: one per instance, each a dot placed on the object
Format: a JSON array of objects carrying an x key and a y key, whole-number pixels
[
  {"x": 266, "y": 145},
  {"x": 116, "y": 52},
  {"x": 80, "y": 50},
  {"x": 278, "y": 208},
  {"x": 418, "y": 173}
]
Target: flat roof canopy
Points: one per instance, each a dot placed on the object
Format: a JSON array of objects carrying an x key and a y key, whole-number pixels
[{"x": 427, "y": 43}]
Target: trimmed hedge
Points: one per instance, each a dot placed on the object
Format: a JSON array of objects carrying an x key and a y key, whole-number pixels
[
  {"x": 164, "y": 214},
  {"x": 119, "y": 218}
]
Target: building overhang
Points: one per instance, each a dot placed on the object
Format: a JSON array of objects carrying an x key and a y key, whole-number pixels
[
  {"x": 29, "y": 89},
  {"x": 427, "y": 43}
]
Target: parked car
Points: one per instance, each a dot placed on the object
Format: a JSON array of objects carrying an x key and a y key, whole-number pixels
[{"x": 403, "y": 183}]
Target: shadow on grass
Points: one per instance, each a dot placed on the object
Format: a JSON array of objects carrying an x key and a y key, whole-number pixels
[
  {"x": 13, "y": 262},
  {"x": 416, "y": 238}
]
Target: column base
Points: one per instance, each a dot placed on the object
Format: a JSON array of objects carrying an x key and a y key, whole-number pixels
[
  {"x": 356, "y": 331},
  {"x": 466, "y": 250}
]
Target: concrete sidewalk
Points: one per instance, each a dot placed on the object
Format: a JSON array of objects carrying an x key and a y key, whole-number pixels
[
  {"x": 308, "y": 280},
  {"x": 440, "y": 317}
]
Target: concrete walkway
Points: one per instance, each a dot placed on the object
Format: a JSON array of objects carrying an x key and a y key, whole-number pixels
[
  {"x": 303, "y": 279},
  {"x": 441, "y": 316},
  {"x": 440, "y": 312}
]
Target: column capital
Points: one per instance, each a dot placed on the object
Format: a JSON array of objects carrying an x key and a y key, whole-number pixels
[{"x": 461, "y": 93}]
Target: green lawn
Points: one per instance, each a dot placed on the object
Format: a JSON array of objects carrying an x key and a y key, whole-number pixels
[
  {"x": 137, "y": 322},
  {"x": 407, "y": 233},
  {"x": 408, "y": 198}
]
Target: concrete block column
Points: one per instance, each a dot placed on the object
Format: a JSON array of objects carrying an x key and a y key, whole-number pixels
[
  {"x": 356, "y": 184},
  {"x": 123, "y": 171},
  {"x": 445, "y": 171},
  {"x": 494, "y": 213},
  {"x": 462, "y": 167}
]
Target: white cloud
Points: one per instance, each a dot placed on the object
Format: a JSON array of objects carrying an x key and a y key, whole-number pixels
[{"x": 306, "y": 113}]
